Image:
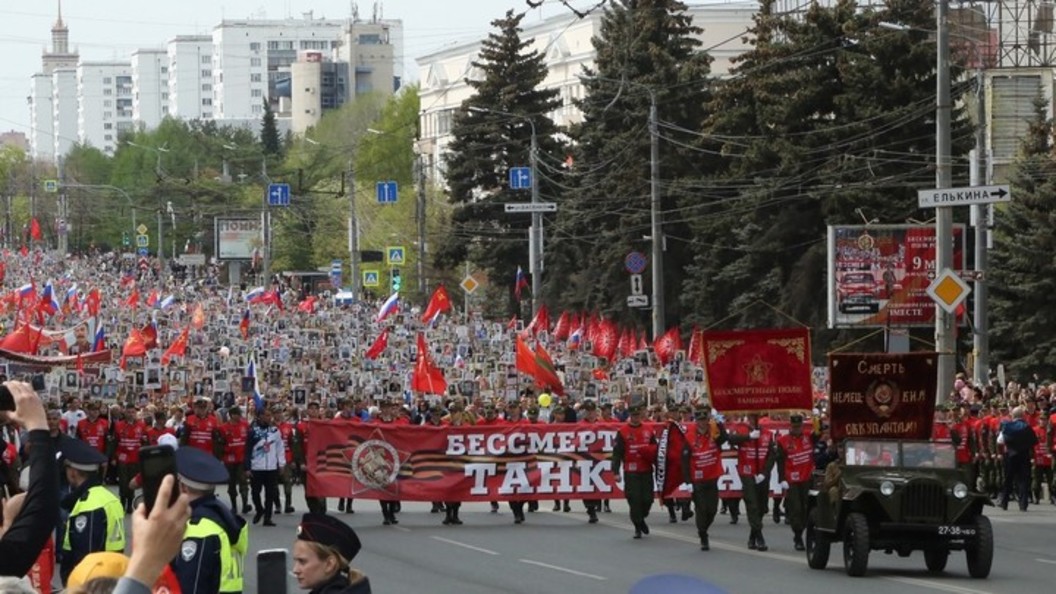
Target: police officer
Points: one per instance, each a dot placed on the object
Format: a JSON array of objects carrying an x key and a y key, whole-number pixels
[
  {"x": 96, "y": 518},
  {"x": 755, "y": 461},
  {"x": 633, "y": 455},
  {"x": 795, "y": 470},
  {"x": 216, "y": 540},
  {"x": 702, "y": 467}
]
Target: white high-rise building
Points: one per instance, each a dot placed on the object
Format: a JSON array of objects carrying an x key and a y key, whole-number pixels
[
  {"x": 150, "y": 87},
  {"x": 104, "y": 93},
  {"x": 44, "y": 104},
  {"x": 191, "y": 77},
  {"x": 64, "y": 103}
]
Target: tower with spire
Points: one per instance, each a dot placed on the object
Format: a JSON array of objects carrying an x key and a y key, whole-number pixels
[{"x": 60, "y": 55}]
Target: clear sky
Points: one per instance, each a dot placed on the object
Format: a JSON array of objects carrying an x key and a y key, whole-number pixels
[{"x": 113, "y": 29}]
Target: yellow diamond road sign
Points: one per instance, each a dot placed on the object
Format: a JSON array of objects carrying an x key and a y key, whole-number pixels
[
  {"x": 141, "y": 229},
  {"x": 948, "y": 290},
  {"x": 469, "y": 284}
]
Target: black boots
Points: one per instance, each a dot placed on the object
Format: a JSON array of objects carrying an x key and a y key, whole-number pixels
[
  {"x": 704, "y": 546},
  {"x": 797, "y": 541},
  {"x": 687, "y": 510},
  {"x": 593, "y": 513},
  {"x": 451, "y": 517},
  {"x": 756, "y": 542}
]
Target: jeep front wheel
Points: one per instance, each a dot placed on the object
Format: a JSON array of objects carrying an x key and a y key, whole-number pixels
[
  {"x": 817, "y": 543},
  {"x": 856, "y": 544},
  {"x": 935, "y": 559},
  {"x": 980, "y": 553}
]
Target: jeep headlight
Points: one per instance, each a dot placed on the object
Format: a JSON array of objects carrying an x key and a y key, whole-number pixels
[
  {"x": 960, "y": 490},
  {"x": 887, "y": 488}
]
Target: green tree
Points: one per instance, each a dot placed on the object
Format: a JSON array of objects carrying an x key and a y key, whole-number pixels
[
  {"x": 645, "y": 49},
  {"x": 489, "y": 135},
  {"x": 1021, "y": 272},
  {"x": 269, "y": 132}
]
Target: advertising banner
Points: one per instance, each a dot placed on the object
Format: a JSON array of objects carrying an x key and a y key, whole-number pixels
[
  {"x": 236, "y": 238},
  {"x": 753, "y": 370},
  {"x": 879, "y": 274},
  {"x": 479, "y": 463},
  {"x": 880, "y": 395}
]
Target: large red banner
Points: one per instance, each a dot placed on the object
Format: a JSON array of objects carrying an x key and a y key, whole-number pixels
[
  {"x": 881, "y": 395},
  {"x": 879, "y": 274},
  {"x": 755, "y": 370},
  {"x": 478, "y": 463}
]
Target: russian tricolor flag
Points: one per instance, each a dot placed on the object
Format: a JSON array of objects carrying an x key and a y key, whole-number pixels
[
  {"x": 99, "y": 343},
  {"x": 26, "y": 290},
  {"x": 251, "y": 371},
  {"x": 166, "y": 303},
  {"x": 253, "y": 294},
  {"x": 391, "y": 306}
]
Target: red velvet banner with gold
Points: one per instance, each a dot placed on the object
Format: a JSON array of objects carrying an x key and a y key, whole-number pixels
[
  {"x": 753, "y": 370},
  {"x": 479, "y": 463},
  {"x": 881, "y": 395}
]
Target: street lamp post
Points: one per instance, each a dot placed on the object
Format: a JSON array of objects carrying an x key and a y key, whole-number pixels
[{"x": 944, "y": 341}]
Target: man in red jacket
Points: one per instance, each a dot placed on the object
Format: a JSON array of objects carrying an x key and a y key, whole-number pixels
[
  {"x": 755, "y": 461},
  {"x": 795, "y": 469},
  {"x": 235, "y": 432},
  {"x": 93, "y": 429},
  {"x": 702, "y": 466},
  {"x": 633, "y": 456}
]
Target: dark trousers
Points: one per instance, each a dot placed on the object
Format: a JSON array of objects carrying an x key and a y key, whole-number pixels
[
  {"x": 316, "y": 505},
  {"x": 796, "y": 499},
  {"x": 755, "y": 500},
  {"x": 1017, "y": 479},
  {"x": 125, "y": 474},
  {"x": 269, "y": 481},
  {"x": 286, "y": 478},
  {"x": 1042, "y": 476},
  {"x": 638, "y": 488},
  {"x": 706, "y": 500},
  {"x": 236, "y": 484}
]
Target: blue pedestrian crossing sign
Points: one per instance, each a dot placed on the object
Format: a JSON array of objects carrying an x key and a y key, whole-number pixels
[
  {"x": 394, "y": 255},
  {"x": 142, "y": 251},
  {"x": 142, "y": 241},
  {"x": 388, "y": 192},
  {"x": 278, "y": 194},
  {"x": 370, "y": 278},
  {"x": 520, "y": 178}
]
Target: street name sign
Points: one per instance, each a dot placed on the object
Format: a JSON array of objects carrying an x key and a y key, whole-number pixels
[
  {"x": 963, "y": 196},
  {"x": 530, "y": 207}
]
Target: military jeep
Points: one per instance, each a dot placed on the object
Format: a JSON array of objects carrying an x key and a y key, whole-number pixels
[{"x": 898, "y": 497}]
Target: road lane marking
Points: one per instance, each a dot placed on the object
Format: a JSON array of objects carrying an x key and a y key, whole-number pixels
[
  {"x": 921, "y": 583},
  {"x": 1046, "y": 561},
  {"x": 402, "y": 529},
  {"x": 463, "y": 545},
  {"x": 564, "y": 569}
]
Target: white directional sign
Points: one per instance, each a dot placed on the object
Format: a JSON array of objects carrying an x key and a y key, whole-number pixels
[
  {"x": 963, "y": 196},
  {"x": 531, "y": 207},
  {"x": 637, "y": 301},
  {"x": 636, "y": 284}
]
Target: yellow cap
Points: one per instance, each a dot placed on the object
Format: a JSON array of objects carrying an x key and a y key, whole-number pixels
[{"x": 106, "y": 564}]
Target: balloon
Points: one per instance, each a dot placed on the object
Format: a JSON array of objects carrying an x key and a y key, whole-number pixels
[{"x": 545, "y": 400}]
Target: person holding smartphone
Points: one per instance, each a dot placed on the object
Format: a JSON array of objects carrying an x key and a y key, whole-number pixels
[
  {"x": 23, "y": 540},
  {"x": 322, "y": 554}
]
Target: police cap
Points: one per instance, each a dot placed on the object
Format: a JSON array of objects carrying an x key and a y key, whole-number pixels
[
  {"x": 81, "y": 456},
  {"x": 331, "y": 532},
  {"x": 795, "y": 419},
  {"x": 234, "y": 411},
  {"x": 198, "y": 470}
]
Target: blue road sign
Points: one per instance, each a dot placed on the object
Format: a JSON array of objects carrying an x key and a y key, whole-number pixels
[
  {"x": 395, "y": 255},
  {"x": 635, "y": 262},
  {"x": 370, "y": 278},
  {"x": 278, "y": 194},
  {"x": 142, "y": 251},
  {"x": 520, "y": 178},
  {"x": 142, "y": 241},
  {"x": 387, "y": 192}
]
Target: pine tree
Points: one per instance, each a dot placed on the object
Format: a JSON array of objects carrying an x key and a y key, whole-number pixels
[
  {"x": 490, "y": 134},
  {"x": 1022, "y": 271},
  {"x": 644, "y": 49},
  {"x": 269, "y": 132}
]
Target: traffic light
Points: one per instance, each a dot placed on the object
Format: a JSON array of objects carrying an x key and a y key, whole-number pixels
[
  {"x": 397, "y": 282},
  {"x": 124, "y": 239}
]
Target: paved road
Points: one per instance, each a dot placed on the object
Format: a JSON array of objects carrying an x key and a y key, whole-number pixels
[{"x": 560, "y": 552}]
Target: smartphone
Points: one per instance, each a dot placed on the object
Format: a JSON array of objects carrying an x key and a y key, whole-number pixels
[
  {"x": 154, "y": 463},
  {"x": 271, "y": 572},
  {"x": 38, "y": 383},
  {"x": 7, "y": 399}
]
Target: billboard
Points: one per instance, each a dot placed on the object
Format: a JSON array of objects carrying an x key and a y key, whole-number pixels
[
  {"x": 879, "y": 274},
  {"x": 236, "y": 238}
]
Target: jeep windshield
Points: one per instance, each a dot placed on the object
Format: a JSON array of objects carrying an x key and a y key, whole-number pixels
[{"x": 894, "y": 454}]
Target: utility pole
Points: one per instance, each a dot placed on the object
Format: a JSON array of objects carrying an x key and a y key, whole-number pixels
[
  {"x": 420, "y": 218},
  {"x": 61, "y": 215},
  {"x": 353, "y": 231},
  {"x": 535, "y": 262},
  {"x": 656, "y": 216},
  {"x": 265, "y": 230},
  {"x": 161, "y": 243},
  {"x": 981, "y": 337},
  {"x": 945, "y": 345}
]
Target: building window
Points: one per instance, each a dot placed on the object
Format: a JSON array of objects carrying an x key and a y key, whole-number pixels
[
  {"x": 207, "y": 101},
  {"x": 207, "y": 73},
  {"x": 165, "y": 109},
  {"x": 107, "y": 115},
  {"x": 207, "y": 115},
  {"x": 108, "y": 137},
  {"x": 256, "y": 93},
  {"x": 207, "y": 87},
  {"x": 107, "y": 80},
  {"x": 108, "y": 103},
  {"x": 165, "y": 96},
  {"x": 108, "y": 126},
  {"x": 257, "y": 109},
  {"x": 254, "y": 46},
  {"x": 108, "y": 92},
  {"x": 255, "y": 77},
  {"x": 207, "y": 59},
  {"x": 164, "y": 69},
  {"x": 254, "y": 62}
]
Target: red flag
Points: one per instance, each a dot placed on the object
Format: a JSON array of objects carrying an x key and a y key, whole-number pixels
[
  {"x": 3, "y": 272},
  {"x": 512, "y": 324},
  {"x": 177, "y": 348},
  {"x": 667, "y": 344},
  {"x": 546, "y": 373},
  {"x": 625, "y": 346},
  {"x": 19, "y": 340},
  {"x": 133, "y": 299},
  {"x": 34, "y": 230},
  {"x": 152, "y": 299},
  {"x": 379, "y": 346},
  {"x": 525, "y": 359},
  {"x": 540, "y": 322},
  {"x": 198, "y": 317},
  {"x": 308, "y": 305},
  {"x": 427, "y": 377},
  {"x": 271, "y": 297},
  {"x": 696, "y": 347},
  {"x": 600, "y": 374},
  {"x": 135, "y": 346},
  {"x": 605, "y": 339},
  {"x": 563, "y": 327},
  {"x": 243, "y": 326},
  {"x": 23, "y": 250},
  {"x": 150, "y": 336},
  {"x": 438, "y": 303}
]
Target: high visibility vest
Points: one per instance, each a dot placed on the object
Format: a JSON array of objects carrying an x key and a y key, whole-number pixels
[
  {"x": 231, "y": 554},
  {"x": 100, "y": 498}
]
